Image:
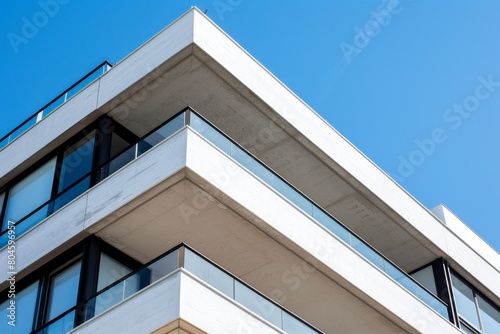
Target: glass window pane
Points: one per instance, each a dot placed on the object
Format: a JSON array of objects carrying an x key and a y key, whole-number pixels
[
  {"x": 208, "y": 273},
  {"x": 292, "y": 325},
  {"x": 30, "y": 193},
  {"x": 110, "y": 271},
  {"x": 72, "y": 193},
  {"x": 210, "y": 133},
  {"x": 25, "y": 311},
  {"x": 425, "y": 277},
  {"x": 164, "y": 266},
  {"x": 63, "y": 291},
  {"x": 2, "y": 197},
  {"x": 77, "y": 161},
  {"x": 257, "y": 304},
  {"x": 118, "y": 144},
  {"x": 464, "y": 298},
  {"x": 464, "y": 328},
  {"x": 116, "y": 294},
  {"x": 490, "y": 317}
]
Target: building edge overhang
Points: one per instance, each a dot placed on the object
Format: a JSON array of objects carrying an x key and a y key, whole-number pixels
[
  {"x": 194, "y": 28},
  {"x": 105, "y": 204}
]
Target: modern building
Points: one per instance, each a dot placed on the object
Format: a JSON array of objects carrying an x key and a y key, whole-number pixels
[{"x": 187, "y": 190}]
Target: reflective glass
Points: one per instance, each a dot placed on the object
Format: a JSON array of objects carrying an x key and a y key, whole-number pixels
[
  {"x": 2, "y": 198},
  {"x": 292, "y": 325},
  {"x": 118, "y": 144},
  {"x": 117, "y": 293},
  {"x": 63, "y": 291},
  {"x": 61, "y": 326},
  {"x": 337, "y": 229},
  {"x": 30, "y": 193},
  {"x": 70, "y": 194},
  {"x": 252, "y": 165},
  {"x": 292, "y": 195},
  {"x": 54, "y": 105},
  {"x": 25, "y": 308},
  {"x": 464, "y": 328},
  {"x": 207, "y": 131},
  {"x": 490, "y": 317},
  {"x": 208, "y": 273},
  {"x": 164, "y": 266},
  {"x": 121, "y": 160},
  {"x": 258, "y": 304},
  {"x": 464, "y": 299},
  {"x": 425, "y": 276},
  {"x": 77, "y": 161},
  {"x": 110, "y": 271}
]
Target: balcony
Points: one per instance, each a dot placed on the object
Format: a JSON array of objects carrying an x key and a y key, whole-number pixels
[
  {"x": 192, "y": 119},
  {"x": 54, "y": 104},
  {"x": 163, "y": 267}
]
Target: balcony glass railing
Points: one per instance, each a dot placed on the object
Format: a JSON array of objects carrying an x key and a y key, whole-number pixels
[
  {"x": 52, "y": 105},
  {"x": 180, "y": 257},
  {"x": 101, "y": 172},
  {"x": 188, "y": 117},
  {"x": 243, "y": 157}
]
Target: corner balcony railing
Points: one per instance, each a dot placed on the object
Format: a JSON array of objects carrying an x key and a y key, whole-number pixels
[
  {"x": 190, "y": 118},
  {"x": 52, "y": 105},
  {"x": 181, "y": 256}
]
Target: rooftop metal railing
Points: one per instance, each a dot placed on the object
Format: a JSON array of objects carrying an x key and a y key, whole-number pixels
[{"x": 54, "y": 104}]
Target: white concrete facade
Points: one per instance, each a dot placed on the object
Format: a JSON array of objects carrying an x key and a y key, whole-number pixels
[{"x": 233, "y": 217}]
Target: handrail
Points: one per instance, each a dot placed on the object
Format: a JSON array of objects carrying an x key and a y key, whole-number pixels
[{"x": 39, "y": 115}]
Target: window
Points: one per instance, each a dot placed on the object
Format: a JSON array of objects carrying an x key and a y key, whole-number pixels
[
  {"x": 490, "y": 316},
  {"x": 25, "y": 307},
  {"x": 77, "y": 161},
  {"x": 425, "y": 276},
  {"x": 48, "y": 297},
  {"x": 71, "y": 170},
  {"x": 63, "y": 291},
  {"x": 28, "y": 194},
  {"x": 475, "y": 312}
]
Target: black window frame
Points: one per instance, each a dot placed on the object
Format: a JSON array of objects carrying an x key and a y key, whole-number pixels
[
  {"x": 104, "y": 127},
  {"x": 88, "y": 251}
]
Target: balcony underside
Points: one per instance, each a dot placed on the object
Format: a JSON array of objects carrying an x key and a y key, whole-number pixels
[
  {"x": 194, "y": 79},
  {"x": 175, "y": 193}
]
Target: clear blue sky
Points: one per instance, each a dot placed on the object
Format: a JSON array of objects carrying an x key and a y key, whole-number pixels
[{"x": 429, "y": 73}]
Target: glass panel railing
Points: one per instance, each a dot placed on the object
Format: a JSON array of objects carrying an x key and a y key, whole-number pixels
[
  {"x": 296, "y": 197},
  {"x": 243, "y": 294},
  {"x": 57, "y": 102},
  {"x": 85, "y": 182},
  {"x": 179, "y": 257}
]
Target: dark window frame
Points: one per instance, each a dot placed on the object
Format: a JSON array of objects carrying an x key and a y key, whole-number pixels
[
  {"x": 104, "y": 127},
  {"x": 475, "y": 293},
  {"x": 88, "y": 251}
]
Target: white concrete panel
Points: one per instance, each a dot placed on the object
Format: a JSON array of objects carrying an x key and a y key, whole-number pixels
[
  {"x": 46, "y": 236},
  {"x": 467, "y": 235},
  {"x": 144, "y": 312},
  {"x": 135, "y": 178},
  {"x": 303, "y": 235},
  {"x": 355, "y": 166},
  {"x": 36, "y": 142},
  {"x": 85, "y": 214},
  {"x": 147, "y": 57},
  {"x": 212, "y": 312}
]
